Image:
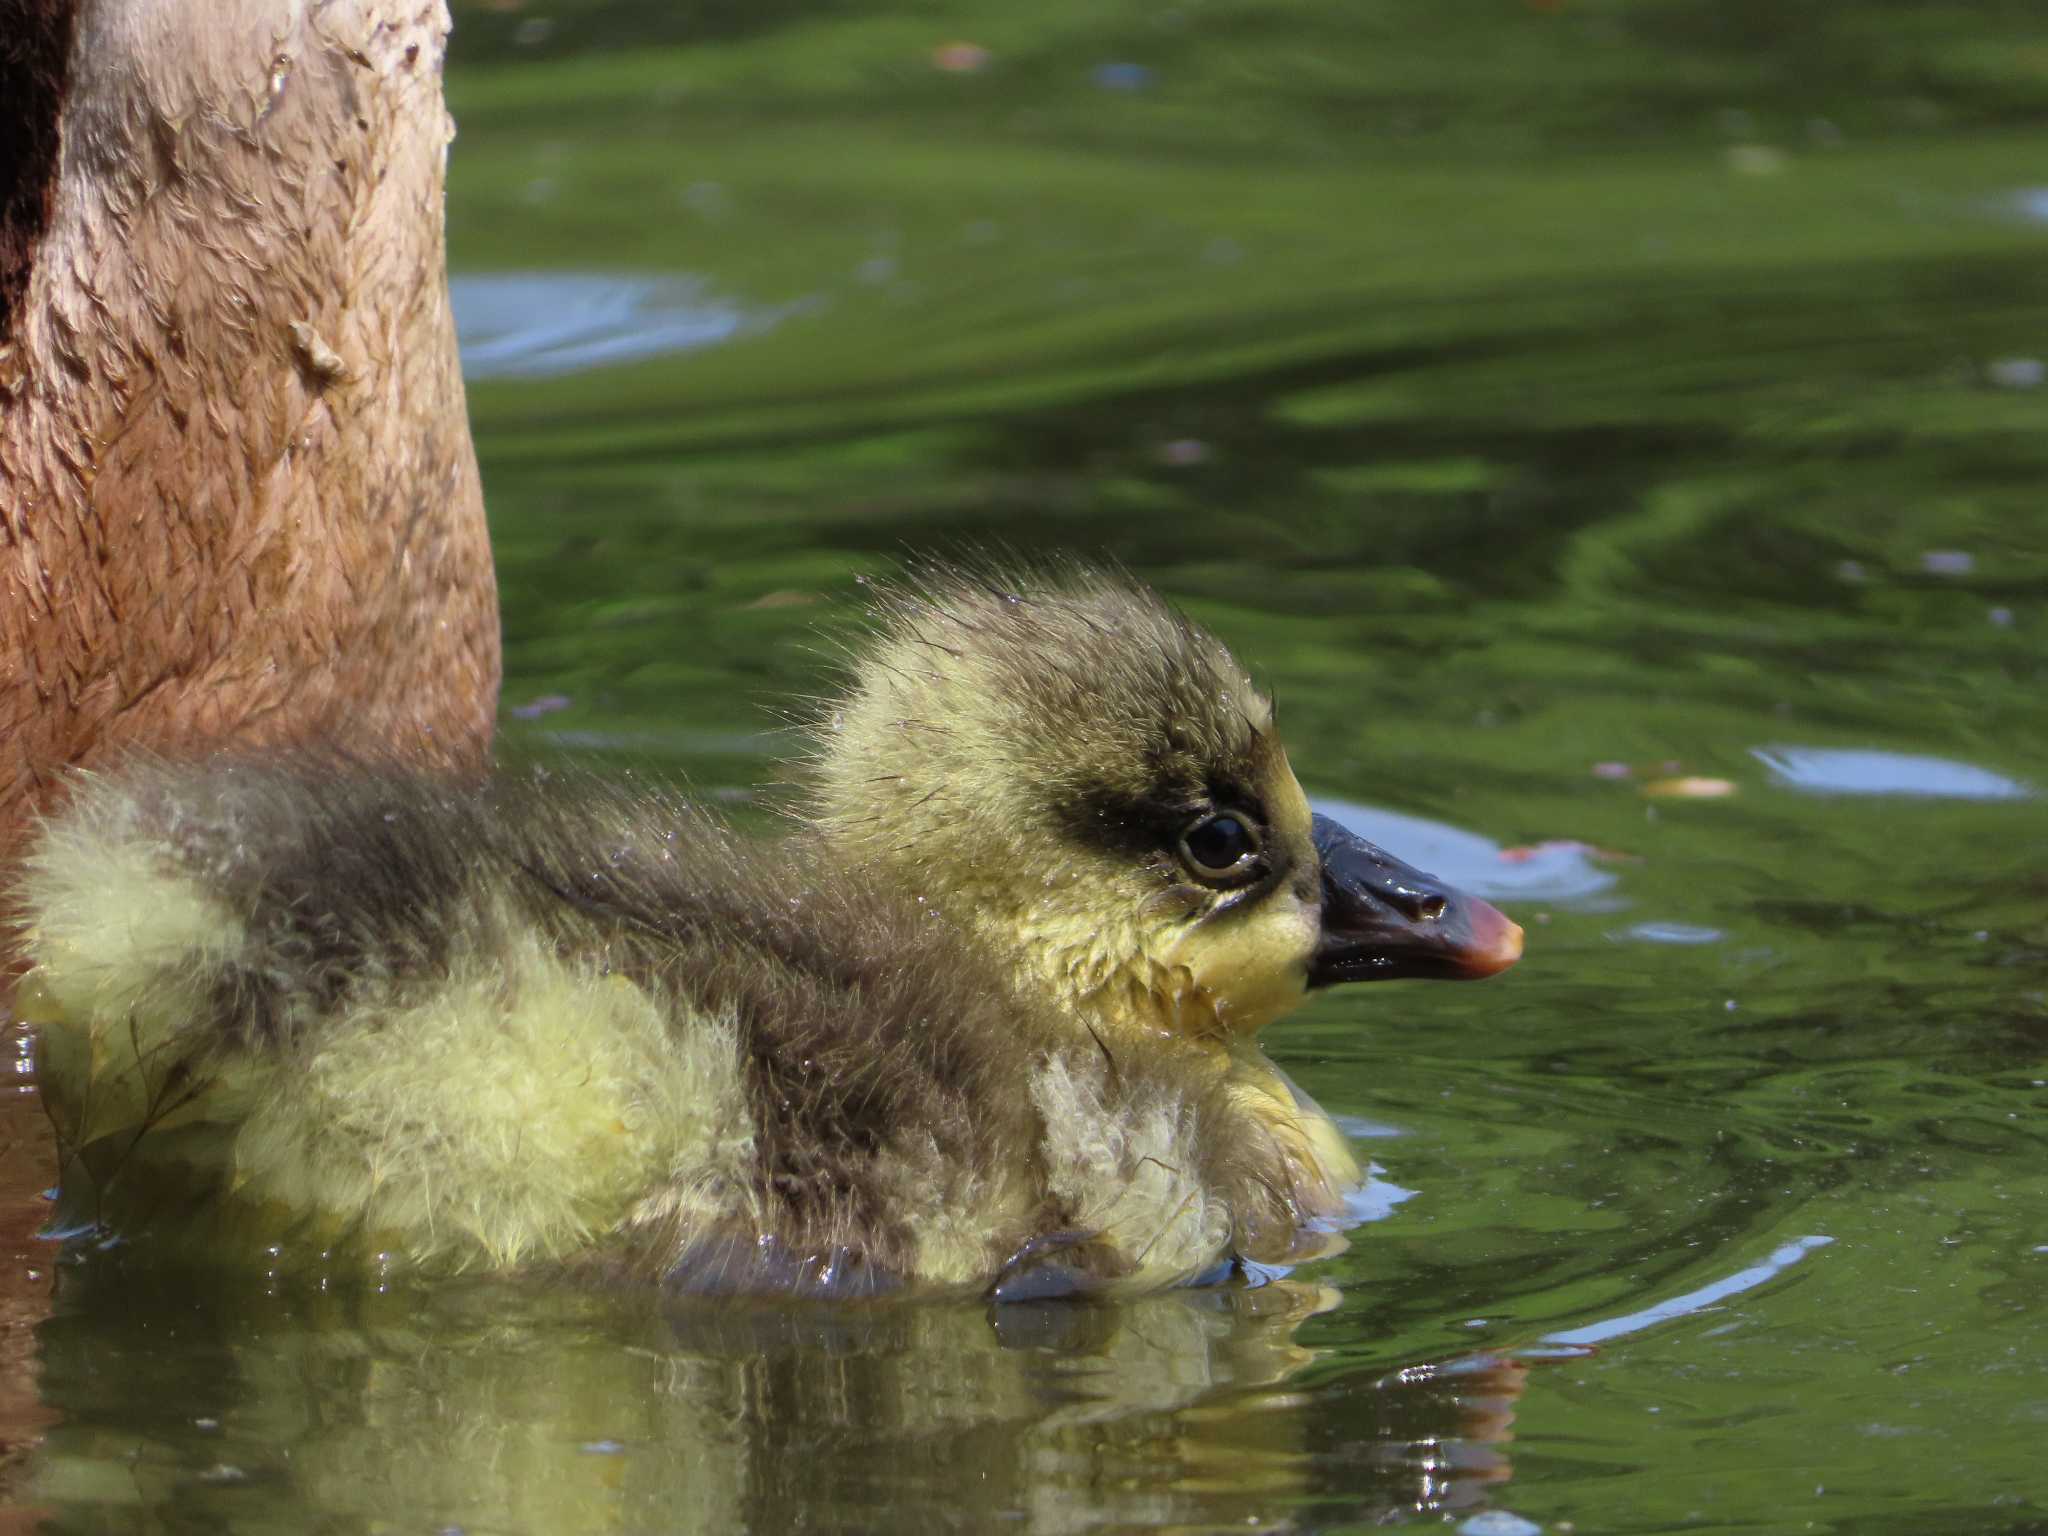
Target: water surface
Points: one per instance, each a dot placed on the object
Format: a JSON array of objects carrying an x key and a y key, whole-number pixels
[{"x": 1615, "y": 432}]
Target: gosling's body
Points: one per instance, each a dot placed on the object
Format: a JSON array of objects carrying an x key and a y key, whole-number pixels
[
  {"x": 566, "y": 1025},
  {"x": 987, "y": 1022}
]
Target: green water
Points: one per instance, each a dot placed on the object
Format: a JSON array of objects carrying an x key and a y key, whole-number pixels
[{"x": 1547, "y": 400}]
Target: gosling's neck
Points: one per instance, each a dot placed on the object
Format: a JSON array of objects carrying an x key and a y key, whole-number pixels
[
  {"x": 1129, "y": 1000},
  {"x": 1103, "y": 974},
  {"x": 241, "y": 221}
]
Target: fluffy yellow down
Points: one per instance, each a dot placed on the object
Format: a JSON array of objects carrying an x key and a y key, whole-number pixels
[
  {"x": 517, "y": 1109},
  {"x": 1130, "y": 1172},
  {"x": 123, "y": 947},
  {"x": 519, "y": 1112}
]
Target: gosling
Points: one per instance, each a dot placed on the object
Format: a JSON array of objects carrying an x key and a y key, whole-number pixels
[{"x": 987, "y": 1022}]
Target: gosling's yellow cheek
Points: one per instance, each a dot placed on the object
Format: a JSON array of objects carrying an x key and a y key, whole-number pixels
[{"x": 1253, "y": 967}]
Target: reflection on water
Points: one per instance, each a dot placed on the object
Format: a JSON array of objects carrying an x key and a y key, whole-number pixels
[
  {"x": 1869, "y": 772},
  {"x": 1672, "y": 933},
  {"x": 536, "y": 325},
  {"x": 1559, "y": 871},
  {"x": 486, "y": 1409},
  {"x": 2031, "y": 203},
  {"x": 1781, "y": 1259}
]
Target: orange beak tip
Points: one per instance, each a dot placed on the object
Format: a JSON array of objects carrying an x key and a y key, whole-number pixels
[{"x": 1496, "y": 941}]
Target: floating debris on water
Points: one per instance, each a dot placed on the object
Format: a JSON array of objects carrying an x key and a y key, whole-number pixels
[
  {"x": 1690, "y": 787},
  {"x": 1757, "y": 160},
  {"x": 1528, "y": 852},
  {"x": 960, "y": 58}
]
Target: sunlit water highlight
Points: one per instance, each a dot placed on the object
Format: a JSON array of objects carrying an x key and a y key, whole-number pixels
[{"x": 1692, "y": 1302}]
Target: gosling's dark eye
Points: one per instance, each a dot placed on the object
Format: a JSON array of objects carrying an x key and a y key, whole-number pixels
[{"x": 1222, "y": 846}]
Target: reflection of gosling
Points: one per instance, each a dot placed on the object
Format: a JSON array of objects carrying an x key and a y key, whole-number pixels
[{"x": 991, "y": 1021}]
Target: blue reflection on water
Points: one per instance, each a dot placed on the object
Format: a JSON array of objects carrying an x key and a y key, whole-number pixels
[
  {"x": 1670, "y": 933},
  {"x": 2031, "y": 203},
  {"x": 1832, "y": 771},
  {"x": 1782, "y": 1258},
  {"x": 535, "y": 325},
  {"x": 1550, "y": 872}
]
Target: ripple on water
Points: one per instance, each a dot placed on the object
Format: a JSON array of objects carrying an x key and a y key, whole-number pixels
[
  {"x": 1782, "y": 1258},
  {"x": 1670, "y": 933}
]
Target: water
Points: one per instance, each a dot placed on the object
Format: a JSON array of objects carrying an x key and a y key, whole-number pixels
[{"x": 1615, "y": 432}]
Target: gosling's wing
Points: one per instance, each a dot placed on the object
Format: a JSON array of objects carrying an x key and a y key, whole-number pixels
[{"x": 343, "y": 998}]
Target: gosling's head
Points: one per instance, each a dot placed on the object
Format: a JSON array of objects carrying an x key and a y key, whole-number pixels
[{"x": 1095, "y": 786}]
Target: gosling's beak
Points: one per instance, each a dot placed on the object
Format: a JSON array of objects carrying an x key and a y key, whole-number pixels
[{"x": 1383, "y": 920}]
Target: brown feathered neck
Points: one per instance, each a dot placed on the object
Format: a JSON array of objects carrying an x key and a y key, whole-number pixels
[{"x": 238, "y": 500}]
